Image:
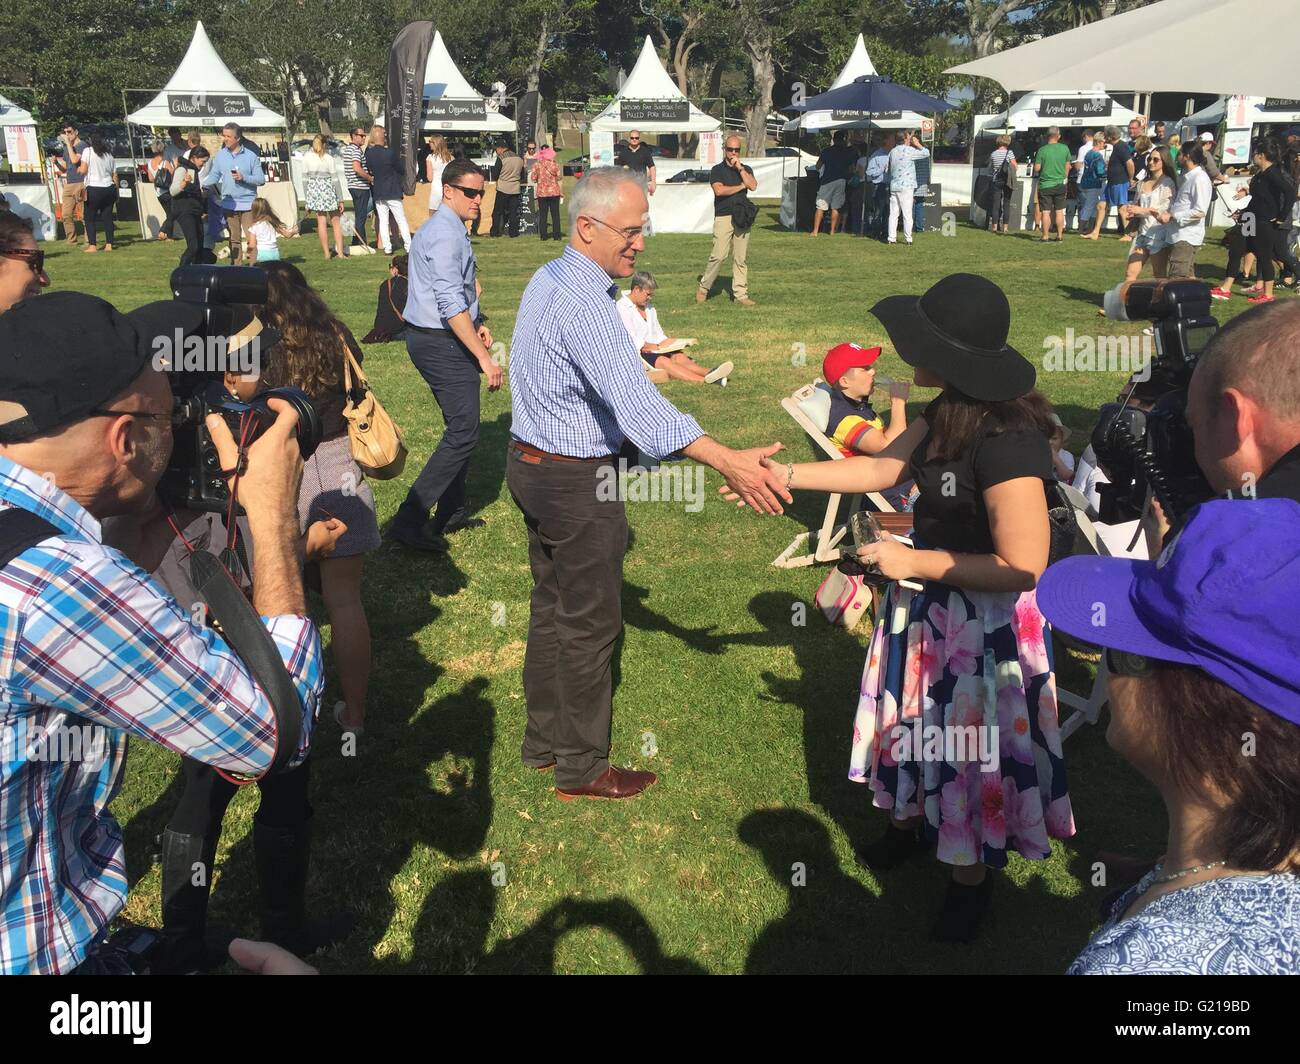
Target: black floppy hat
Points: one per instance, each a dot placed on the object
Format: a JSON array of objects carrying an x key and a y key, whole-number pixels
[
  {"x": 62, "y": 354},
  {"x": 958, "y": 329}
]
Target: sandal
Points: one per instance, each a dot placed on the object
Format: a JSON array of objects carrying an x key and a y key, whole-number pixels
[{"x": 358, "y": 730}]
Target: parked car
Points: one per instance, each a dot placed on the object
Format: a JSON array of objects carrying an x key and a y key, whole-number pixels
[{"x": 576, "y": 166}]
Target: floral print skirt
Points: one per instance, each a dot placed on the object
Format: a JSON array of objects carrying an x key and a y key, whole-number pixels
[{"x": 957, "y": 722}]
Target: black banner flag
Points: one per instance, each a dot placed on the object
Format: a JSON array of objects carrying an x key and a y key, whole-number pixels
[{"x": 404, "y": 99}]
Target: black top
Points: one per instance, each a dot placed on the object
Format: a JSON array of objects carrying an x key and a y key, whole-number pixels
[
  {"x": 1116, "y": 171},
  {"x": 1283, "y": 480},
  {"x": 726, "y": 175},
  {"x": 950, "y": 513},
  {"x": 392, "y": 303},
  {"x": 382, "y": 163},
  {"x": 640, "y": 160},
  {"x": 1271, "y": 196}
]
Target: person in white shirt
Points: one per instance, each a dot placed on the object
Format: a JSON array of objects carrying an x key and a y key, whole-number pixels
[
  {"x": 1185, "y": 218},
  {"x": 902, "y": 184},
  {"x": 438, "y": 158},
  {"x": 100, "y": 169},
  {"x": 660, "y": 351}
]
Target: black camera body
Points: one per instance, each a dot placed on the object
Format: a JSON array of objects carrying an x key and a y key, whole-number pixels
[
  {"x": 1145, "y": 441},
  {"x": 193, "y": 478}
]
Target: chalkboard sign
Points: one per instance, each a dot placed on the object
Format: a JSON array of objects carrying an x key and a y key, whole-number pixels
[
  {"x": 678, "y": 111},
  {"x": 859, "y": 116},
  {"x": 207, "y": 105},
  {"x": 1074, "y": 107},
  {"x": 455, "y": 110}
]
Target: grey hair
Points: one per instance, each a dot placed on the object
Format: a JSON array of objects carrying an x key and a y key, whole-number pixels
[
  {"x": 598, "y": 190},
  {"x": 1112, "y": 133},
  {"x": 644, "y": 280},
  {"x": 234, "y": 128},
  {"x": 1053, "y": 131}
]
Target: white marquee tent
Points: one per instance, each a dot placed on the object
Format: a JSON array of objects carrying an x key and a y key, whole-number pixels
[
  {"x": 859, "y": 63},
  {"x": 451, "y": 103},
  {"x": 203, "y": 92},
  {"x": 1071, "y": 108},
  {"x": 1243, "y": 112},
  {"x": 13, "y": 115},
  {"x": 23, "y": 149},
  {"x": 651, "y": 102}
]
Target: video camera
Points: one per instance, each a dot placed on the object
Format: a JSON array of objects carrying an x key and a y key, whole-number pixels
[
  {"x": 1144, "y": 441},
  {"x": 231, "y": 334}
]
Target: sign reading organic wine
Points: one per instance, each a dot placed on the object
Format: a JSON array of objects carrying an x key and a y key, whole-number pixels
[
  {"x": 1275, "y": 104},
  {"x": 207, "y": 105},
  {"x": 654, "y": 111},
  {"x": 858, "y": 116},
  {"x": 1074, "y": 107},
  {"x": 456, "y": 110}
]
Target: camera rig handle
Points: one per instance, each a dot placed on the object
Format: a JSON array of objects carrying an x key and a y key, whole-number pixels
[{"x": 248, "y": 637}]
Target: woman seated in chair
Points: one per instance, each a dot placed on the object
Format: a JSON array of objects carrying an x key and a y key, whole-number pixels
[{"x": 660, "y": 351}]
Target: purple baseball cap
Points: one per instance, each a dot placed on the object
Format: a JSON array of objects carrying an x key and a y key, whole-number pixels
[{"x": 1222, "y": 596}]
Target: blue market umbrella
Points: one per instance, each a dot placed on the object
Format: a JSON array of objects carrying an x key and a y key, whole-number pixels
[{"x": 873, "y": 94}]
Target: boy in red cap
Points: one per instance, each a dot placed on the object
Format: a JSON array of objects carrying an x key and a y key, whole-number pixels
[{"x": 854, "y": 427}]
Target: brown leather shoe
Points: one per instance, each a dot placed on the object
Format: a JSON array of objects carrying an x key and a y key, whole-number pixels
[
  {"x": 614, "y": 783},
  {"x": 745, "y": 301}
]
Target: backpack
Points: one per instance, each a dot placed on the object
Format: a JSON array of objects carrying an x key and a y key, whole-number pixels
[
  {"x": 162, "y": 181},
  {"x": 1006, "y": 175}
]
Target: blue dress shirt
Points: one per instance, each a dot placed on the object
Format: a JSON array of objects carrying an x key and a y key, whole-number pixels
[
  {"x": 236, "y": 195},
  {"x": 440, "y": 272}
]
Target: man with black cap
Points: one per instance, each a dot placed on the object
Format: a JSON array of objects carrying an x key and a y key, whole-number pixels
[{"x": 93, "y": 649}]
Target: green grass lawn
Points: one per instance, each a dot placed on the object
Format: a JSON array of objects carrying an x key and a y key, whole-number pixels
[{"x": 750, "y": 712}]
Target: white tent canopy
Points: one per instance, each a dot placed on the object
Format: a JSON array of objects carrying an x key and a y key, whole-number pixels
[
  {"x": 203, "y": 92},
  {"x": 1070, "y": 108},
  {"x": 13, "y": 115},
  {"x": 859, "y": 63},
  {"x": 1243, "y": 112},
  {"x": 450, "y": 103},
  {"x": 651, "y": 102},
  {"x": 1134, "y": 46}
]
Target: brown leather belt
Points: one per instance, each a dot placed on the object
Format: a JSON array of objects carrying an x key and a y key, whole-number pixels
[{"x": 539, "y": 455}]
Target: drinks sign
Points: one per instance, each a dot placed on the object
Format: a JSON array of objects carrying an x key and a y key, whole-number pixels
[
  {"x": 207, "y": 105},
  {"x": 678, "y": 111},
  {"x": 456, "y": 110},
  {"x": 1074, "y": 107}
]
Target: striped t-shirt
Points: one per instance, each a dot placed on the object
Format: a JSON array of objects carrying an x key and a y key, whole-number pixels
[{"x": 351, "y": 153}]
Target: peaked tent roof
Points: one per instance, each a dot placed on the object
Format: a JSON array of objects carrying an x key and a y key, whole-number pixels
[
  {"x": 13, "y": 115},
  {"x": 650, "y": 81},
  {"x": 217, "y": 96},
  {"x": 443, "y": 80},
  {"x": 859, "y": 63},
  {"x": 1030, "y": 112}
]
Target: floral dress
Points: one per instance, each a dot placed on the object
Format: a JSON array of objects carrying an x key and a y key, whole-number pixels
[{"x": 957, "y": 712}]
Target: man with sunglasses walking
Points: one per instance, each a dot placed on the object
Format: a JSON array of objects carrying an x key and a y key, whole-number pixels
[
  {"x": 74, "y": 181},
  {"x": 732, "y": 182},
  {"x": 449, "y": 345}
]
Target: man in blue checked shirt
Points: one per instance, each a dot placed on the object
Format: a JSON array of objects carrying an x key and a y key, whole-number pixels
[
  {"x": 578, "y": 390},
  {"x": 449, "y": 345},
  {"x": 235, "y": 176},
  {"x": 91, "y": 648}
]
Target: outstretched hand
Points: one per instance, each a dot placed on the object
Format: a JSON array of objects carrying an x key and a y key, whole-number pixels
[{"x": 754, "y": 480}]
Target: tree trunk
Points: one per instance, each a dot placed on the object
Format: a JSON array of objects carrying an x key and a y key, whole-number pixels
[
  {"x": 764, "y": 70},
  {"x": 534, "y": 79}
]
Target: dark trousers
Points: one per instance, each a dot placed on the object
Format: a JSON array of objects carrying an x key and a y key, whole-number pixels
[
  {"x": 1267, "y": 244},
  {"x": 188, "y": 214},
  {"x": 854, "y": 197},
  {"x": 548, "y": 206},
  {"x": 505, "y": 214},
  {"x": 206, "y": 795},
  {"x": 877, "y": 208},
  {"x": 169, "y": 214},
  {"x": 99, "y": 212},
  {"x": 453, "y": 376},
  {"x": 577, "y": 537},
  {"x": 360, "y": 210},
  {"x": 999, "y": 205}
]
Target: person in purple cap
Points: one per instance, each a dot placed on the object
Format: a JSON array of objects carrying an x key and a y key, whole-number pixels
[{"x": 1200, "y": 651}]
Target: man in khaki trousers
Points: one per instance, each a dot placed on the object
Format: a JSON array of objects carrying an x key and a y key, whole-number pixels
[{"x": 732, "y": 182}]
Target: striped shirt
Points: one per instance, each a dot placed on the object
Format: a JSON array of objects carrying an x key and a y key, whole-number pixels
[
  {"x": 352, "y": 154},
  {"x": 91, "y": 650},
  {"x": 577, "y": 385}
]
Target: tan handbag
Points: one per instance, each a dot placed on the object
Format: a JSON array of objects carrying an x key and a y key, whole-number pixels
[{"x": 377, "y": 445}]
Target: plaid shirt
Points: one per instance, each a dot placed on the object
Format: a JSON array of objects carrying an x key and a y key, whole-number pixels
[
  {"x": 91, "y": 649},
  {"x": 577, "y": 381}
]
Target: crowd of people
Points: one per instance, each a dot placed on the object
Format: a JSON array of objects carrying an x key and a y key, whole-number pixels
[{"x": 82, "y": 448}]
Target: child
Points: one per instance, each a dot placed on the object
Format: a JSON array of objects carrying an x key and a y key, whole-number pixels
[
  {"x": 262, "y": 243},
  {"x": 854, "y": 427},
  {"x": 1062, "y": 460}
]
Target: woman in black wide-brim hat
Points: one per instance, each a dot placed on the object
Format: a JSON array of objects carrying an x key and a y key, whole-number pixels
[{"x": 970, "y": 651}]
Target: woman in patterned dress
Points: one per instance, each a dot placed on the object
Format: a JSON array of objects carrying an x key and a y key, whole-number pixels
[
  {"x": 956, "y": 729},
  {"x": 321, "y": 190}
]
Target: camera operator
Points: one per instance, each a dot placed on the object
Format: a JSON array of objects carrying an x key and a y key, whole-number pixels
[
  {"x": 90, "y": 642},
  {"x": 1243, "y": 404}
]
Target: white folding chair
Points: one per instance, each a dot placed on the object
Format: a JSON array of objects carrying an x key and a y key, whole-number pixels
[{"x": 810, "y": 406}]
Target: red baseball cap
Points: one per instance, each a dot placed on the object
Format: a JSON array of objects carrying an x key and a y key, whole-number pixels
[{"x": 843, "y": 357}]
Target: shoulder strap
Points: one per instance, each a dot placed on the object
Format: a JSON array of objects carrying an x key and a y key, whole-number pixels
[
  {"x": 20, "y": 529},
  {"x": 392, "y": 304}
]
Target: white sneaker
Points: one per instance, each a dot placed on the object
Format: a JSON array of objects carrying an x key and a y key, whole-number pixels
[{"x": 719, "y": 372}]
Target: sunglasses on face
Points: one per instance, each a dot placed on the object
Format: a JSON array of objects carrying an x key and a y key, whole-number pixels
[
  {"x": 731, "y": 151},
  {"x": 34, "y": 258},
  {"x": 472, "y": 193}
]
